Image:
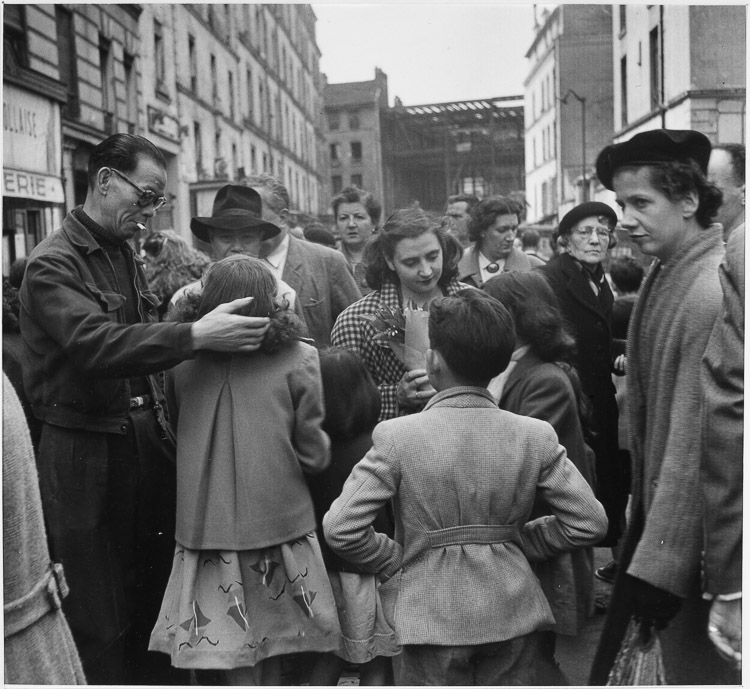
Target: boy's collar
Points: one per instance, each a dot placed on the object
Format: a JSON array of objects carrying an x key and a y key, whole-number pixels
[{"x": 460, "y": 390}]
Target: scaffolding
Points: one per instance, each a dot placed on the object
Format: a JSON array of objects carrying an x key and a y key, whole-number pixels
[{"x": 433, "y": 151}]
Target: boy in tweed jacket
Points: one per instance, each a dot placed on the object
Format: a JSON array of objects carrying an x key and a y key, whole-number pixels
[{"x": 463, "y": 476}]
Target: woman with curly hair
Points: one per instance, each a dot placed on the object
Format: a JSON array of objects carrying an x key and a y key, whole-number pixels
[
  {"x": 248, "y": 576},
  {"x": 171, "y": 263},
  {"x": 411, "y": 260},
  {"x": 493, "y": 228},
  {"x": 542, "y": 382}
]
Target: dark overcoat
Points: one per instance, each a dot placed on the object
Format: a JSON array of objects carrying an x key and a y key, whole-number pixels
[
  {"x": 542, "y": 390},
  {"x": 590, "y": 318}
]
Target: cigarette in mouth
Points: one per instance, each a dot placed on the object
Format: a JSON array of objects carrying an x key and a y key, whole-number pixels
[{"x": 140, "y": 226}]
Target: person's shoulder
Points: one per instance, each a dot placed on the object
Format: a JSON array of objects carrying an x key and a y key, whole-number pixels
[
  {"x": 311, "y": 249},
  {"x": 526, "y": 428},
  {"x": 466, "y": 263},
  {"x": 362, "y": 307}
]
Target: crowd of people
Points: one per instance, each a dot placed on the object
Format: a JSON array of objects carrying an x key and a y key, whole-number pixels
[{"x": 392, "y": 447}]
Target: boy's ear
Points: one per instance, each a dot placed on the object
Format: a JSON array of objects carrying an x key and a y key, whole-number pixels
[{"x": 433, "y": 362}]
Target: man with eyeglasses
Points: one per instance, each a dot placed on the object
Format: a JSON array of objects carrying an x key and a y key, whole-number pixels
[
  {"x": 106, "y": 458},
  {"x": 492, "y": 229}
]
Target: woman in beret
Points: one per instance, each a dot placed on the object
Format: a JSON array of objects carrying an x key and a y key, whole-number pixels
[{"x": 586, "y": 233}]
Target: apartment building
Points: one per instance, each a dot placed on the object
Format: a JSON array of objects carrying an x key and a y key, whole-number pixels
[{"x": 224, "y": 91}]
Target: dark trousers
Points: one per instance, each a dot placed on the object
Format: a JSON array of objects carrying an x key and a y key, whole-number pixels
[
  {"x": 109, "y": 505},
  {"x": 503, "y": 663}
]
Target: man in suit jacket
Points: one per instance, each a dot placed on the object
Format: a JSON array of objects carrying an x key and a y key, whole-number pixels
[
  {"x": 659, "y": 179},
  {"x": 721, "y": 465},
  {"x": 464, "y": 476},
  {"x": 492, "y": 228},
  {"x": 321, "y": 277}
]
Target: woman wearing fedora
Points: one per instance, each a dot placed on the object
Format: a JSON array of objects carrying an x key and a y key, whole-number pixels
[{"x": 586, "y": 234}]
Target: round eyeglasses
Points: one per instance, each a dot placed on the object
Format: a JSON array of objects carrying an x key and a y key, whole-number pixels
[
  {"x": 146, "y": 197},
  {"x": 586, "y": 232}
]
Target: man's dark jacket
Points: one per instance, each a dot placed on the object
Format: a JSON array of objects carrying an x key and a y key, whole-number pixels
[{"x": 80, "y": 350}]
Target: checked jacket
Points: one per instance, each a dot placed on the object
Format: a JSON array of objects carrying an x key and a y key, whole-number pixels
[{"x": 355, "y": 333}]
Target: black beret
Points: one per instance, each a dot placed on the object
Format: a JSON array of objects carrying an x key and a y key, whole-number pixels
[
  {"x": 585, "y": 210},
  {"x": 651, "y": 148}
]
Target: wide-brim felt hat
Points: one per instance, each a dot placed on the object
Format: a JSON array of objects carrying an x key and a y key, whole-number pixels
[
  {"x": 585, "y": 210},
  {"x": 651, "y": 148},
  {"x": 236, "y": 207}
]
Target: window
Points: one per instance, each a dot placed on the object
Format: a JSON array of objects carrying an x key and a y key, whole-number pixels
[
  {"x": 356, "y": 150},
  {"x": 249, "y": 78},
  {"x": 623, "y": 20},
  {"x": 357, "y": 180},
  {"x": 105, "y": 72},
  {"x": 14, "y": 36},
  {"x": 198, "y": 146},
  {"x": 334, "y": 121},
  {"x": 336, "y": 184},
  {"x": 128, "y": 62},
  {"x": 66, "y": 52},
  {"x": 265, "y": 162},
  {"x": 253, "y": 159},
  {"x": 159, "y": 58},
  {"x": 654, "y": 54},
  {"x": 234, "y": 161},
  {"x": 623, "y": 91},
  {"x": 230, "y": 79},
  {"x": 193, "y": 63},
  {"x": 262, "y": 106},
  {"x": 354, "y": 121},
  {"x": 214, "y": 80},
  {"x": 335, "y": 150}
]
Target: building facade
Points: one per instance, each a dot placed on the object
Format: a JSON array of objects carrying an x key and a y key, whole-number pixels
[
  {"x": 680, "y": 67},
  {"x": 569, "y": 111},
  {"x": 353, "y": 138},
  {"x": 224, "y": 91},
  {"x": 66, "y": 76}
]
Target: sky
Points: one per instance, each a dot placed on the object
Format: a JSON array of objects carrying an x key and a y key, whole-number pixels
[{"x": 431, "y": 53}]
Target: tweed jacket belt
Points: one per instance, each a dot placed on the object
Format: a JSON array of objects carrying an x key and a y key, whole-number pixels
[
  {"x": 44, "y": 597},
  {"x": 484, "y": 534}
]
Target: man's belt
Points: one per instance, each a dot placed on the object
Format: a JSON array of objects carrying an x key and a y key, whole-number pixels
[{"x": 140, "y": 402}]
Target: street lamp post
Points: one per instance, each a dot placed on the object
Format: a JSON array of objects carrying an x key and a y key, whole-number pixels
[{"x": 582, "y": 101}]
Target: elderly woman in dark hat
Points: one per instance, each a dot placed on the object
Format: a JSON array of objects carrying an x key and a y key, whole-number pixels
[{"x": 577, "y": 277}]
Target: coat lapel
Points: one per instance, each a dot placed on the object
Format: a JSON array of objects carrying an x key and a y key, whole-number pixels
[
  {"x": 526, "y": 362},
  {"x": 468, "y": 267},
  {"x": 294, "y": 268}
]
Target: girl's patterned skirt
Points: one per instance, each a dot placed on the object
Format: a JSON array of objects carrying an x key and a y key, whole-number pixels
[{"x": 228, "y": 609}]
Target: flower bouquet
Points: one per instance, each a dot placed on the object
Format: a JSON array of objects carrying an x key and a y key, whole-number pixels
[{"x": 405, "y": 331}]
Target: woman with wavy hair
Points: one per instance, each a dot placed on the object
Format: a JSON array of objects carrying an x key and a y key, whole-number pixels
[
  {"x": 542, "y": 382},
  {"x": 412, "y": 260}
]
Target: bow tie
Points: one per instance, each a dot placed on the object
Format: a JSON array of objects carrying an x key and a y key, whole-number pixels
[{"x": 492, "y": 268}]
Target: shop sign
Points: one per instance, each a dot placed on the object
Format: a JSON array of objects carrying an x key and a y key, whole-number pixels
[
  {"x": 31, "y": 132},
  {"x": 31, "y": 185},
  {"x": 161, "y": 123}
]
